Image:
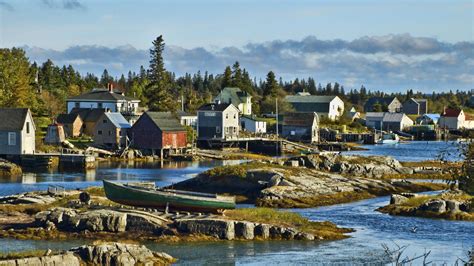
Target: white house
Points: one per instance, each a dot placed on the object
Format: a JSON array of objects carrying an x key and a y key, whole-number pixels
[
  {"x": 240, "y": 99},
  {"x": 17, "y": 131},
  {"x": 388, "y": 121},
  {"x": 107, "y": 99},
  {"x": 331, "y": 107},
  {"x": 455, "y": 119},
  {"x": 218, "y": 121},
  {"x": 253, "y": 124},
  {"x": 187, "y": 119}
]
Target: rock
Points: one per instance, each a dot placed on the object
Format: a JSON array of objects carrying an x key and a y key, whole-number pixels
[
  {"x": 85, "y": 197},
  {"x": 452, "y": 205},
  {"x": 50, "y": 226},
  {"x": 434, "y": 205},
  {"x": 397, "y": 199},
  {"x": 276, "y": 232},
  {"x": 304, "y": 236},
  {"x": 62, "y": 259},
  {"x": 244, "y": 230},
  {"x": 289, "y": 233},
  {"x": 222, "y": 229},
  {"x": 143, "y": 223},
  {"x": 262, "y": 230}
]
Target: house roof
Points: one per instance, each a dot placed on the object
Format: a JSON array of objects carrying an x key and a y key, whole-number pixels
[
  {"x": 166, "y": 121},
  {"x": 67, "y": 118},
  {"x": 301, "y": 119},
  {"x": 12, "y": 118},
  {"x": 450, "y": 112},
  {"x": 433, "y": 117},
  {"x": 236, "y": 95},
  {"x": 118, "y": 120},
  {"x": 309, "y": 98},
  {"x": 381, "y": 100},
  {"x": 88, "y": 115},
  {"x": 253, "y": 118},
  {"x": 102, "y": 95},
  {"x": 374, "y": 115},
  {"x": 394, "y": 117},
  {"x": 214, "y": 107},
  {"x": 183, "y": 114}
]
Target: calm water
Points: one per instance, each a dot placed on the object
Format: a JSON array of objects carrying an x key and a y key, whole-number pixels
[
  {"x": 446, "y": 239},
  {"x": 415, "y": 150}
]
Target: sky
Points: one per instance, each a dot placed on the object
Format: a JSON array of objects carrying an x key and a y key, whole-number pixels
[{"x": 385, "y": 45}]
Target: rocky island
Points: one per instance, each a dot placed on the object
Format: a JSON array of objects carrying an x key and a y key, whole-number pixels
[{"x": 311, "y": 180}]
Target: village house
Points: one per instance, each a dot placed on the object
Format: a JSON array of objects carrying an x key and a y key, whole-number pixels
[
  {"x": 111, "y": 131},
  {"x": 55, "y": 134},
  {"x": 89, "y": 117},
  {"x": 428, "y": 119},
  {"x": 301, "y": 127},
  {"x": 218, "y": 121},
  {"x": 72, "y": 124},
  {"x": 107, "y": 99},
  {"x": 187, "y": 119},
  {"x": 386, "y": 104},
  {"x": 240, "y": 99},
  {"x": 455, "y": 119},
  {"x": 353, "y": 114},
  {"x": 253, "y": 124},
  {"x": 388, "y": 121},
  {"x": 330, "y": 107},
  {"x": 158, "y": 133},
  {"x": 17, "y": 131},
  {"x": 415, "y": 106}
]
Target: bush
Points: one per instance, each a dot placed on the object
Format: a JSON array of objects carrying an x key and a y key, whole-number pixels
[{"x": 227, "y": 171}]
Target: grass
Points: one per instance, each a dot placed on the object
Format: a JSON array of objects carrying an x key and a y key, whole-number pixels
[
  {"x": 227, "y": 171},
  {"x": 326, "y": 230},
  {"x": 24, "y": 254}
]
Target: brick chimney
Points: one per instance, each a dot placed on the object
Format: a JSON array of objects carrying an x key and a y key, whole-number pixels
[{"x": 110, "y": 87}]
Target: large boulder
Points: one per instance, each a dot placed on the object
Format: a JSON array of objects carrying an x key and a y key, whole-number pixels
[
  {"x": 434, "y": 205},
  {"x": 67, "y": 258},
  {"x": 397, "y": 199},
  {"x": 262, "y": 230},
  {"x": 222, "y": 229},
  {"x": 244, "y": 230},
  {"x": 452, "y": 205}
]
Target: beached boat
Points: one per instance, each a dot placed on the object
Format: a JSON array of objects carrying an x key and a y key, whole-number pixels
[
  {"x": 134, "y": 194},
  {"x": 390, "y": 138}
]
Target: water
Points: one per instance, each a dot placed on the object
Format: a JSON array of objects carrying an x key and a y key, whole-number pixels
[
  {"x": 414, "y": 151},
  {"x": 447, "y": 240}
]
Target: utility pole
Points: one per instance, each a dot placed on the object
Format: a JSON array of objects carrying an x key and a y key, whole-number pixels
[{"x": 276, "y": 107}]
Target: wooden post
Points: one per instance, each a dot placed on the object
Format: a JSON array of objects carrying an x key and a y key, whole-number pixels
[{"x": 161, "y": 154}]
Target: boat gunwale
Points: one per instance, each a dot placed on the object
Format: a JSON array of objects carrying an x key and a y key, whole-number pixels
[{"x": 226, "y": 199}]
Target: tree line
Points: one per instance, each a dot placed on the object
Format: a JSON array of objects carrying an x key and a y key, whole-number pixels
[{"x": 44, "y": 88}]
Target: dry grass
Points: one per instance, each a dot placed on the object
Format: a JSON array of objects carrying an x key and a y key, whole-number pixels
[
  {"x": 326, "y": 230},
  {"x": 25, "y": 254}
]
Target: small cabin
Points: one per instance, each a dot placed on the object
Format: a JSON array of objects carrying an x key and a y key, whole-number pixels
[
  {"x": 111, "y": 131},
  {"x": 17, "y": 131},
  {"x": 301, "y": 127},
  {"x": 55, "y": 134}
]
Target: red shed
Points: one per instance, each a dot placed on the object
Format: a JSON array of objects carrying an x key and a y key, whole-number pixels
[{"x": 158, "y": 131}]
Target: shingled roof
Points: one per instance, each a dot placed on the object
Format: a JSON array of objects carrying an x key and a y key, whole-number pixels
[
  {"x": 102, "y": 95},
  {"x": 166, "y": 121},
  {"x": 12, "y": 118},
  {"x": 301, "y": 119},
  {"x": 67, "y": 118},
  {"x": 236, "y": 95},
  {"x": 118, "y": 120},
  {"x": 214, "y": 107},
  {"x": 87, "y": 114}
]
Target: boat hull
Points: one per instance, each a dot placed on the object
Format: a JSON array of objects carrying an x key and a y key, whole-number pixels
[{"x": 137, "y": 197}]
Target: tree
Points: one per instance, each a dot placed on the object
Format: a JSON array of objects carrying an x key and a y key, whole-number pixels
[
  {"x": 16, "y": 80},
  {"x": 158, "y": 90},
  {"x": 271, "y": 93},
  {"x": 236, "y": 75},
  {"x": 227, "y": 80}
]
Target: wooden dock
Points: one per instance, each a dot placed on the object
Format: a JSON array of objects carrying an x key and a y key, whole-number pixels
[{"x": 63, "y": 159}]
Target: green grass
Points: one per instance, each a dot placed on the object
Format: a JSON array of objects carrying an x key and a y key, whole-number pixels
[
  {"x": 227, "y": 171},
  {"x": 326, "y": 230}
]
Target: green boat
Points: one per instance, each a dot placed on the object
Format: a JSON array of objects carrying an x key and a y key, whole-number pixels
[{"x": 134, "y": 194}]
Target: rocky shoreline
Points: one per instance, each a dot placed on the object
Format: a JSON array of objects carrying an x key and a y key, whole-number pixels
[
  {"x": 8, "y": 169},
  {"x": 451, "y": 205},
  {"x": 97, "y": 254},
  {"x": 309, "y": 181}
]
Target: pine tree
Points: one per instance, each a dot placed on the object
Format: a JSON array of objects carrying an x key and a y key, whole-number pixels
[
  {"x": 158, "y": 90},
  {"x": 236, "y": 75},
  {"x": 227, "y": 80}
]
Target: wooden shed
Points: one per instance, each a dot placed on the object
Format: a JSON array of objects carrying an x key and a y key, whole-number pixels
[{"x": 158, "y": 133}]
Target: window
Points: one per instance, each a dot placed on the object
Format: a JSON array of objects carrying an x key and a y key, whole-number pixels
[
  {"x": 218, "y": 129},
  {"x": 11, "y": 138},
  {"x": 27, "y": 127},
  {"x": 99, "y": 132},
  {"x": 77, "y": 104},
  {"x": 99, "y": 105},
  {"x": 104, "y": 121},
  {"x": 227, "y": 116},
  {"x": 235, "y": 116},
  {"x": 110, "y": 133}
]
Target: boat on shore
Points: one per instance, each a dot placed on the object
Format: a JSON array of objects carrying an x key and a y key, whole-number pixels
[
  {"x": 134, "y": 194},
  {"x": 389, "y": 138}
]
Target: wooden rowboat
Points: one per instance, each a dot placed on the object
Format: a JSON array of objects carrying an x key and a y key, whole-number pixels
[{"x": 139, "y": 196}]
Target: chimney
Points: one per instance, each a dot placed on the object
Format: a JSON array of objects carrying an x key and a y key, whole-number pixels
[{"x": 110, "y": 87}]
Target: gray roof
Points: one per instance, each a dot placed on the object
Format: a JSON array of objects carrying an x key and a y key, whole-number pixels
[
  {"x": 236, "y": 95},
  {"x": 12, "y": 118},
  {"x": 118, "y": 120},
  {"x": 87, "y": 114},
  {"x": 301, "y": 119},
  {"x": 166, "y": 121},
  {"x": 309, "y": 98},
  {"x": 102, "y": 95},
  {"x": 214, "y": 107},
  {"x": 67, "y": 118},
  {"x": 394, "y": 117},
  {"x": 379, "y": 115}
]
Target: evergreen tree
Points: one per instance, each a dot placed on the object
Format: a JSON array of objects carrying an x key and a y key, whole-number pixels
[
  {"x": 227, "y": 80},
  {"x": 236, "y": 75},
  {"x": 158, "y": 91}
]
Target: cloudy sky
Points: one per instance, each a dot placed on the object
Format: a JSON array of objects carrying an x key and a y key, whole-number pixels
[{"x": 386, "y": 45}]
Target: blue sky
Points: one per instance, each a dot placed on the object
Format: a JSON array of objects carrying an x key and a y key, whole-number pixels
[{"x": 390, "y": 45}]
